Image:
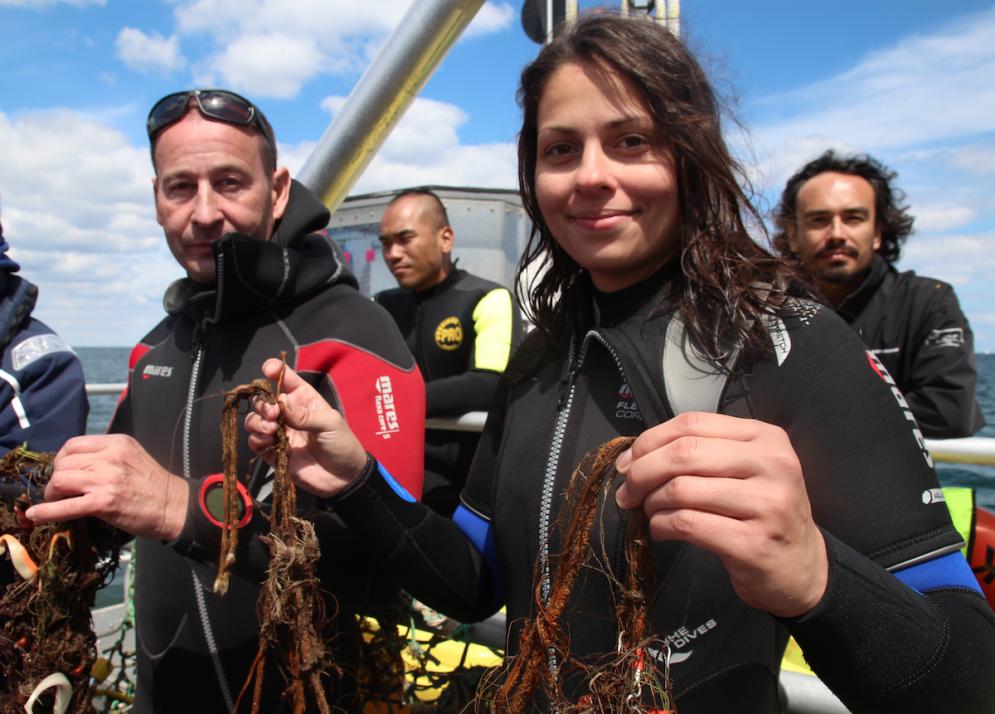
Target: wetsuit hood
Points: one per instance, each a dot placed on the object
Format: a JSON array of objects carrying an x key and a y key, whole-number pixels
[
  {"x": 305, "y": 214},
  {"x": 254, "y": 275}
]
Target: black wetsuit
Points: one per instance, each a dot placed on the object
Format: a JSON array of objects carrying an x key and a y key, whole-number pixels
[
  {"x": 289, "y": 295},
  {"x": 880, "y": 645},
  {"x": 916, "y": 328},
  {"x": 461, "y": 333}
]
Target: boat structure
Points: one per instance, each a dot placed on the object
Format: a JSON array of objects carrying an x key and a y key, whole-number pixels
[{"x": 493, "y": 228}]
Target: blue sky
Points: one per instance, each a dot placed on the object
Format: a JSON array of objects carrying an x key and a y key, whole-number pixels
[{"x": 910, "y": 81}]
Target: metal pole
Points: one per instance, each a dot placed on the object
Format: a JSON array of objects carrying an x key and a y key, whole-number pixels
[
  {"x": 382, "y": 94},
  {"x": 674, "y": 17},
  {"x": 571, "y": 11}
]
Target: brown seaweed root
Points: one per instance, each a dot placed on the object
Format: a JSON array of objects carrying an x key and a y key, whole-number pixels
[
  {"x": 623, "y": 681},
  {"x": 291, "y": 611}
]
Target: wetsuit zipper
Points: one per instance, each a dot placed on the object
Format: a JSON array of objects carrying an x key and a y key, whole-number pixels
[
  {"x": 198, "y": 589},
  {"x": 564, "y": 404}
]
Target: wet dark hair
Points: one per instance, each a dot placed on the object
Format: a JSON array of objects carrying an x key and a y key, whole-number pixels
[
  {"x": 889, "y": 214},
  {"x": 720, "y": 262},
  {"x": 440, "y": 209}
]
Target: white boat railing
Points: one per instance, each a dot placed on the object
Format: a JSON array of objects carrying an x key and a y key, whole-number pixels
[{"x": 971, "y": 450}]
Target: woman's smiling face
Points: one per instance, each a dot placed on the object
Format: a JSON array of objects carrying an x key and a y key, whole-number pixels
[{"x": 605, "y": 179}]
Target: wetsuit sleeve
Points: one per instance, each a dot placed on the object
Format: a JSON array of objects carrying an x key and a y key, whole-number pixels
[
  {"x": 941, "y": 381},
  {"x": 878, "y": 643},
  {"x": 450, "y": 565},
  {"x": 883, "y": 647},
  {"x": 44, "y": 394},
  {"x": 372, "y": 379},
  {"x": 497, "y": 329},
  {"x": 429, "y": 555}
]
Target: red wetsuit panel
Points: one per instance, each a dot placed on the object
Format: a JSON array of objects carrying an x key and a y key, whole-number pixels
[
  {"x": 383, "y": 404},
  {"x": 137, "y": 352}
]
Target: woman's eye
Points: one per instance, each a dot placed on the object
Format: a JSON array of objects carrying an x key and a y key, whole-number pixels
[
  {"x": 555, "y": 150},
  {"x": 633, "y": 141}
]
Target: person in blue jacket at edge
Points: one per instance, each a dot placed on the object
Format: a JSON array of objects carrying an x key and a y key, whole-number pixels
[
  {"x": 795, "y": 503},
  {"x": 42, "y": 388}
]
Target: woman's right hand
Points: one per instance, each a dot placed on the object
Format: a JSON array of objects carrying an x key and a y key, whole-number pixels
[{"x": 324, "y": 454}]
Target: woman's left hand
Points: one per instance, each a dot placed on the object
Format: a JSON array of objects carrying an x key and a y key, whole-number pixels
[{"x": 734, "y": 487}]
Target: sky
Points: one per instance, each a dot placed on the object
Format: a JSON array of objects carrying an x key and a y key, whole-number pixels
[{"x": 911, "y": 82}]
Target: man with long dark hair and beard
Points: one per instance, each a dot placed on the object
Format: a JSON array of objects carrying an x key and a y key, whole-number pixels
[
  {"x": 788, "y": 500},
  {"x": 842, "y": 220}
]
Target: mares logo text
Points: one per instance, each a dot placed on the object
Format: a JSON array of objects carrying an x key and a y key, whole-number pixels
[{"x": 386, "y": 411}]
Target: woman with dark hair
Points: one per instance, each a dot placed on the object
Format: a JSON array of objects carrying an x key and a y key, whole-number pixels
[{"x": 780, "y": 474}]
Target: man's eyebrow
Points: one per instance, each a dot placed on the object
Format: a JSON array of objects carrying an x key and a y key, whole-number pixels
[
  {"x": 403, "y": 233},
  {"x": 236, "y": 168},
  {"x": 819, "y": 212}
]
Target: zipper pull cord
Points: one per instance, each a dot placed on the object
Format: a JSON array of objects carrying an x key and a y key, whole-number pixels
[{"x": 566, "y": 383}]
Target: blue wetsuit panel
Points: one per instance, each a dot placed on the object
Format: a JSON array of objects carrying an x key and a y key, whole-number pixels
[
  {"x": 394, "y": 485},
  {"x": 481, "y": 534},
  {"x": 947, "y": 571}
]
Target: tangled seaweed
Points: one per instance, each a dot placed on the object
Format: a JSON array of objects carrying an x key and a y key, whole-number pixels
[
  {"x": 627, "y": 680},
  {"x": 45, "y": 624},
  {"x": 291, "y": 611}
]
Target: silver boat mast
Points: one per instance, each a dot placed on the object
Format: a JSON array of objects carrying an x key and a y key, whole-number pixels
[{"x": 382, "y": 94}]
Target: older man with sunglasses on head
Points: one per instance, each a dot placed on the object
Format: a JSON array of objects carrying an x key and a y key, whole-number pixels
[{"x": 259, "y": 281}]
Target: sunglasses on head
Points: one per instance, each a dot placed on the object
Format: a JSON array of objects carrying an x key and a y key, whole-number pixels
[{"x": 218, "y": 104}]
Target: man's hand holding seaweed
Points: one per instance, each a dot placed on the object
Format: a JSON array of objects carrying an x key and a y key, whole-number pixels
[
  {"x": 324, "y": 455},
  {"x": 111, "y": 477},
  {"x": 734, "y": 487}
]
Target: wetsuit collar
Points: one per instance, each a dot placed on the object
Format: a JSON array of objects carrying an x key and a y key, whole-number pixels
[
  {"x": 454, "y": 275},
  {"x": 643, "y": 298},
  {"x": 255, "y": 275},
  {"x": 856, "y": 301}
]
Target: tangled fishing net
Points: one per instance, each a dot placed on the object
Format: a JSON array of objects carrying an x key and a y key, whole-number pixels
[
  {"x": 47, "y": 644},
  {"x": 627, "y": 680}
]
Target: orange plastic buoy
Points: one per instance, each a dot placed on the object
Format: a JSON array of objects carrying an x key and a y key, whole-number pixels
[{"x": 981, "y": 552}]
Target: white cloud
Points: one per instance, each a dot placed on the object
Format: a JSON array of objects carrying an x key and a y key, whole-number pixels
[
  {"x": 273, "y": 48},
  {"x": 928, "y": 88},
  {"x": 977, "y": 159},
  {"x": 146, "y": 53},
  {"x": 939, "y": 217},
  {"x": 427, "y": 129},
  {"x": 492, "y": 17},
  {"x": 77, "y": 210},
  {"x": 424, "y": 148},
  {"x": 485, "y": 166},
  {"x": 271, "y": 65}
]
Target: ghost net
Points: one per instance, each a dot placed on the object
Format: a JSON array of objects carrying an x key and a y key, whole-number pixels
[{"x": 47, "y": 643}]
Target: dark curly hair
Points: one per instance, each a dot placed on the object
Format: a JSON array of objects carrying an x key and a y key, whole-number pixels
[
  {"x": 890, "y": 215},
  {"x": 721, "y": 264}
]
